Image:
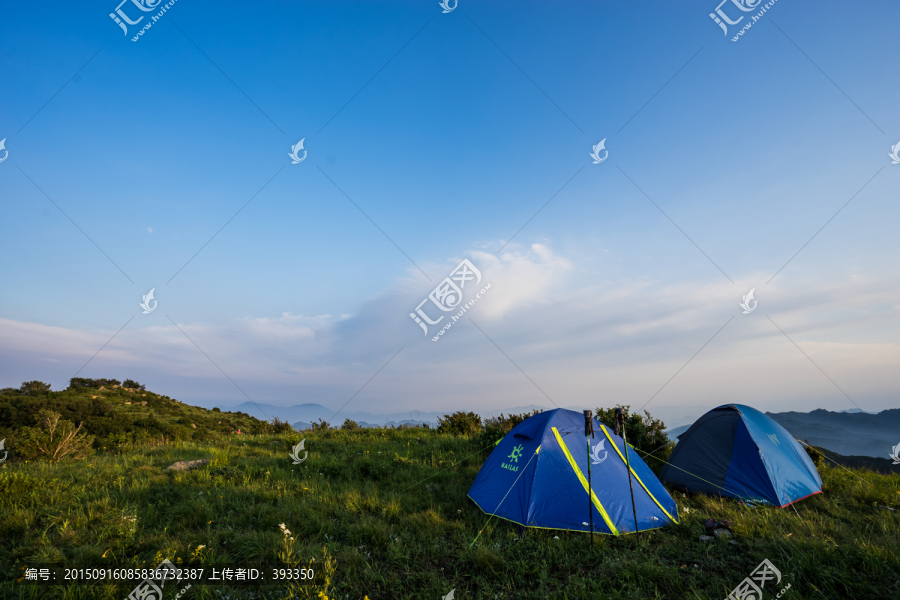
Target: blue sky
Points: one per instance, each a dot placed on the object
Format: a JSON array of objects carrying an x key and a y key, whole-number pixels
[{"x": 450, "y": 147}]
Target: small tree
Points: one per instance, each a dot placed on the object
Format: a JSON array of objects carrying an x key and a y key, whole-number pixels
[
  {"x": 644, "y": 433},
  {"x": 350, "y": 425},
  {"x": 131, "y": 383},
  {"x": 55, "y": 438},
  {"x": 279, "y": 426},
  {"x": 320, "y": 426},
  {"x": 460, "y": 423},
  {"x": 495, "y": 428},
  {"x": 34, "y": 387},
  {"x": 81, "y": 382}
]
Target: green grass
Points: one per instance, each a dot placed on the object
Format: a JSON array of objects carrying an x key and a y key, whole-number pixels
[{"x": 393, "y": 513}]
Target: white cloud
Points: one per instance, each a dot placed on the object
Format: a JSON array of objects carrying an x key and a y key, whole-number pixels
[{"x": 583, "y": 342}]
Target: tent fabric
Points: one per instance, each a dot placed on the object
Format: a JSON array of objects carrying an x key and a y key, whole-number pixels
[
  {"x": 735, "y": 450},
  {"x": 537, "y": 476}
]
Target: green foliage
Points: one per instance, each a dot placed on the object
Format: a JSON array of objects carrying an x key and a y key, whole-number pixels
[
  {"x": 33, "y": 388},
  {"x": 350, "y": 425},
  {"x": 645, "y": 433},
  {"x": 53, "y": 439},
  {"x": 816, "y": 454},
  {"x": 82, "y": 382},
  {"x": 392, "y": 526},
  {"x": 320, "y": 426},
  {"x": 118, "y": 419},
  {"x": 132, "y": 384},
  {"x": 460, "y": 423},
  {"x": 277, "y": 426},
  {"x": 495, "y": 428}
]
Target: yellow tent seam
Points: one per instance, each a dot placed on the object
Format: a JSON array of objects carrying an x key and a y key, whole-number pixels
[
  {"x": 584, "y": 482},
  {"x": 652, "y": 497}
]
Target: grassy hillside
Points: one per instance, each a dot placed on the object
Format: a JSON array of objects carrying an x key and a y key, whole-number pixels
[
  {"x": 120, "y": 418},
  {"x": 390, "y": 508}
]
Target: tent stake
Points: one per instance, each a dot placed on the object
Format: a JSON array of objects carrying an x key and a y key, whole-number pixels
[
  {"x": 589, "y": 429},
  {"x": 620, "y": 418}
]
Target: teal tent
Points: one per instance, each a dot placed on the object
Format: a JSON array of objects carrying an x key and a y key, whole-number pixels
[
  {"x": 735, "y": 450},
  {"x": 537, "y": 476}
]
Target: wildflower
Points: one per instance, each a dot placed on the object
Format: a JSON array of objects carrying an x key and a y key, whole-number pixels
[{"x": 281, "y": 525}]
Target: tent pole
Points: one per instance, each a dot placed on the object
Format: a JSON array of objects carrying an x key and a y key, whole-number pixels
[
  {"x": 589, "y": 429},
  {"x": 620, "y": 416}
]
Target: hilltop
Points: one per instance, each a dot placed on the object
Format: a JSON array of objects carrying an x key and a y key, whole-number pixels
[{"x": 118, "y": 416}]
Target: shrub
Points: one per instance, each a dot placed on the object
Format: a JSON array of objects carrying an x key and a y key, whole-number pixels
[
  {"x": 320, "y": 426},
  {"x": 83, "y": 382},
  {"x": 34, "y": 387},
  {"x": 644, "y": 433},
  {"x": 80, "y": 382},
  {"x": 496, "y": 428},
  {"x": 459, "y": 423},
  {"x": 54, "y": 439},
  {"x": 131, "y": 383},
  {"x": 815, "y": 454},
  {"x": 350, "y": 425},
  {"x": 278, "y": 426}
]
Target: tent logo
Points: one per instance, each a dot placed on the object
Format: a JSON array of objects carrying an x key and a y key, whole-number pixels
[
  {"x": 774, "y": 439},
  {"x": 595, "y": 454},
  {"x": 513, "y": 457}
]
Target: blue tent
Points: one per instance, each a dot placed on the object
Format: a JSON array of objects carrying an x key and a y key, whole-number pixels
[
  {"x": 537, "y": 476},
  {"x": 735, "y": 450}
]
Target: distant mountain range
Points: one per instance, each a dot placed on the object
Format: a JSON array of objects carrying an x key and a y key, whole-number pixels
[
  {"x": 848, "y": 432},
  {"x": 301, "y": 415},
  {"x": 851, "y": 433}
]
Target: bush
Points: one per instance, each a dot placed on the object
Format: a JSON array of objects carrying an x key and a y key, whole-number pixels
[
  {"x": 80, "y": 382},
  {"x": 644, "y": 433},
  {"x": 815, "y": 454},
  {"x": 350, "y": 425},
  {"x": 460, "y": 423},
  {"x": 496, "y": 428},
  {"x": 320, "y": 426},
  {"x": 34, "y": 387},
  {"x": 278, "y": 426},
  {"x": 83, "y": 382},
  {"x": 54, "y": 439},
  {"x": 131, "y": 383}
]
